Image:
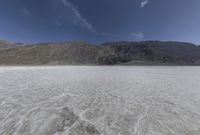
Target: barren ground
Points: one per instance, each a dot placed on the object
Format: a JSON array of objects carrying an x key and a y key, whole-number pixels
[{"x": 119, "y": 100}]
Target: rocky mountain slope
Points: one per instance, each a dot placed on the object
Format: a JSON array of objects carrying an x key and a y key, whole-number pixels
[
  {"x": 5, "y": 44},
  {"x": 157, "y": 52},
  {"x": 81, "y": 53},
  {"x": 72, "y": 53}
]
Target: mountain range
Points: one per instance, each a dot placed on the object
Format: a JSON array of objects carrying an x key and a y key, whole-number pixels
[{"x": 110, "y": 53}]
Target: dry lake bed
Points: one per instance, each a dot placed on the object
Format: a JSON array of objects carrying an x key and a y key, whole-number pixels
[{"x": 84, "y": 100}]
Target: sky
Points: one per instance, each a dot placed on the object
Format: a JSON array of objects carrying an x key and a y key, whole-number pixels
[{"x": 97, "y": 21}]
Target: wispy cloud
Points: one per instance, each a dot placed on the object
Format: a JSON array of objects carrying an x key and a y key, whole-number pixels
[
  {"x": 109, "y": 34},
  {"x": 144, "y": 3},
  {"x": 26, "y": 12},
  {"x": 78, "y": 16},
  {"x": 89, "y": 26},
  {"x": 58, "y": 24},
  {"x": 138, "y": 35}
]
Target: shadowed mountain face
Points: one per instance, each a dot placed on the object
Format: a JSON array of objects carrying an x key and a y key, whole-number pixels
[
  {"x": 157, "y": 52},
  {"x": 81, "y": 53}
]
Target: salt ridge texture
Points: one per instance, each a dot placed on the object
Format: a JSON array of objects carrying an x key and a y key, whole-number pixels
[{"x": 124, "y": 100}]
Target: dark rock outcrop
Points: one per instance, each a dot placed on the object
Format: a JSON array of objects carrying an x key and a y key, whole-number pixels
[{"x": 158, "y": 52}]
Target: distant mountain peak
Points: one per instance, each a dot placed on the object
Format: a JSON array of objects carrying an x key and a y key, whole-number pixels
[{"x": 111, "y": 53}]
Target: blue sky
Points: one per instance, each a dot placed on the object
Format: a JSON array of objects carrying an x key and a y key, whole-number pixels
[{"x": 99, "y": 20}]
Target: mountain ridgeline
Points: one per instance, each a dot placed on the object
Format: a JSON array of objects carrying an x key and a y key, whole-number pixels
[{"x": 112, "y": 53}]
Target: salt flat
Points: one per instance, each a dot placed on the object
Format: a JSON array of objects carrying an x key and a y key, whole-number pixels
[{"x": 83, "y": 100}]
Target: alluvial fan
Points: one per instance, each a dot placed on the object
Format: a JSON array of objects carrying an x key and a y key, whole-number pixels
[{"x": 119, "y": 100}]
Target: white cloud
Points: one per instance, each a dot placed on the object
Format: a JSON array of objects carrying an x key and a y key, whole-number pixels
[
  {"x": 138, "y": 35},
  {"x": 110, "y": 34},
  {"x": 144, "y": 3},
  {"x": 78, "y": 16},
  {"x": 86, "y": 24}
]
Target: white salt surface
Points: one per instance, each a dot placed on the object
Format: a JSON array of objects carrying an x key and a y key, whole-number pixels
[{"x": 69, "y": 100}]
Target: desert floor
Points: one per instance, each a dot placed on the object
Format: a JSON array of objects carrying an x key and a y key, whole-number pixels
[{"x": 87, "y": 100}]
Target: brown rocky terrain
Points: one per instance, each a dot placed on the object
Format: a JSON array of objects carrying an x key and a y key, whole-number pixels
[{"x": 113, "y": 53}]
